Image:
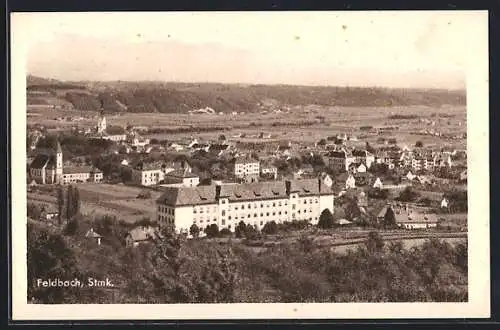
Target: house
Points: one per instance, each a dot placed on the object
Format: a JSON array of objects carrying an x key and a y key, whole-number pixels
[
  {"x": 357, "y": 168},
  {"x": 363, "y": 157},
  {"x": 362, "y": 201},
  {"x": 381, "y": 214},
  {"x": 408, "y": 218},
  {"x": 49, "y": 212},
  {"x": 152, "y": 173},
  {"x": 378, "y": 183},
  {"x": 363, "y": 178},
  {"x": 410, "y": 176},
  {"x": 91, "y": 234},
  {"x": 80, "y": 174},
  {"x": 327, "y": 180},
  {"x": 135, "y": 140},
  {"x": 306, "y": 170},
  {"x": 340, "y": 160},
  {"x": 444, "y": 203},
  {"x": 350, "y": 182},
  {"x": 269, "y": 171},
  {"x": 423, "y": 179},
  {"x": 246, "y": 167},
  {"x": 141, "y": 235},
  {"x": 180, "y": 177}
]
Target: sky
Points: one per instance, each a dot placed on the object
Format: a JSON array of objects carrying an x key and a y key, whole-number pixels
[{"x": 388, "y": 49}]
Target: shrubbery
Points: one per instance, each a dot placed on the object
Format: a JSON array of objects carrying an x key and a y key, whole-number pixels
[{"x": 172, "y": 270}]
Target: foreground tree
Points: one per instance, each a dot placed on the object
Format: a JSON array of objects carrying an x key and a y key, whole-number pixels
[
  {"x": 240, "y": 230},
  {"x": 194, "y": 230},
  {"x": 389, "y": 218},
  {"x": 326, "y": 219},
  {"x": 49, "y": 257},
  {"x": 270, "y": 228},
  {"x": 212, "y": 231}
]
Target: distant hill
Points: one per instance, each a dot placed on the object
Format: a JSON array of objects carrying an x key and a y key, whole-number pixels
[{"x": 185, "y": 97}]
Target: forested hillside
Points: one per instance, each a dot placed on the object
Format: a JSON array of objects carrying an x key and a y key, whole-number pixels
[{"x": 183, "y": 97}]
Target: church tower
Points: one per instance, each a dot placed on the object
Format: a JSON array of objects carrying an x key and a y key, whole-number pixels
[
  {"x": 59, "y": 163},
  {"x": 101, "y": 123}
]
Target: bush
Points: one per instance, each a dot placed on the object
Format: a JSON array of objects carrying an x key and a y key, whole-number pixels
[
  {"x": 34, "y": 211},
  {"x": 270, "y": 228},
  {"x": 194, "y": 230},
  {"x": 71, "y": 228},
  {"x": 326, "y": 219},
  {"x": 240, "y": 230},
  {"x": 212, "y": 231},
  {"x": 419, "y": 144},
  {"x": 378, "y": 193},
  {"x": 225, "y": 232},
  {"x": 145, "y": 194},
  {"x": 408, "y": 195}
]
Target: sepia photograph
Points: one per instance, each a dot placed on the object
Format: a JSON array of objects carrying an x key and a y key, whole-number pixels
[{"x": 277, "y": 165}]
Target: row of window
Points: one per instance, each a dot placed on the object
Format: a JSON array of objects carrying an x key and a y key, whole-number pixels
[
  {"x": 168, "y": 220},
  {"x": 249, "y": 206},
  {"x": 261, "y": 214},
  {"x": 164, "y": 209}
]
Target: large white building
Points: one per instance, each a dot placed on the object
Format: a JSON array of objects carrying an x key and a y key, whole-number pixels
[
  {"x": 253, "y": 203},
  {"x": 149, "y": 174},
  {"x": 246, "y": 167}
]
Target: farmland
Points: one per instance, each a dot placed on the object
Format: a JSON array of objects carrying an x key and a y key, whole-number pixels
[
  {"x": 102, "y": 199},
  {"x": 308, "y": 124}
]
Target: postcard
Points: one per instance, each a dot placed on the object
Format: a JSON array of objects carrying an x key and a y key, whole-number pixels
[{"x": 250, "y": 165}]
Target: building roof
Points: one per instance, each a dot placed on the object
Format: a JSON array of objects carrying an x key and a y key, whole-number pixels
[
  {"x": 383, "y": 211},
  {"x": 242, "y": 192},
  {"x": 80, "y": 169},
  {"x": 141, "y": 233},
  {"x": 337, "y": 154},
  {"x": 91, "y": 233},
  {"x": 360, "y": 153},
  {"x": 181, "y": 174},
  {"x": 411, "y": 216},
  {"x": 41, "y": 160},
  {"x": 149, "y": 166},
  {"x": 245, "y": 160}
]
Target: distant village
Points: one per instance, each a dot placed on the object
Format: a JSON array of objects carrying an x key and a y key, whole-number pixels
[{"x": 225, "y": 181}]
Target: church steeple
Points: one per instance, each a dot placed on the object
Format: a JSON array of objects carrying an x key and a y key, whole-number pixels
[
  {"x": 58, "y": 148},
  {"x": 101, "y": 122}
]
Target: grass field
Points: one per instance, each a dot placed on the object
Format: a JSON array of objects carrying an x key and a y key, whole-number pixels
[{"x": 100, "y": 199}]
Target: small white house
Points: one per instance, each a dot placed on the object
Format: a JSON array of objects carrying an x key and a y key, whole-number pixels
[
  {"x": 410, "y": 176},
  {"x": 91, "y": 234},
  {"x": 378, "y": 184},
  {"x": 361, "y": 169},
  {"x": 444, "y": 203},
  {"x": 327, "y": 180},
  {"x": 350, "y": 182}
]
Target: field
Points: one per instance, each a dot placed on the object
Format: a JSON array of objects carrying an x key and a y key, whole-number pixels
[
  {"x": 304, "y": 124},
  {"x": 119, "y": 200}
]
